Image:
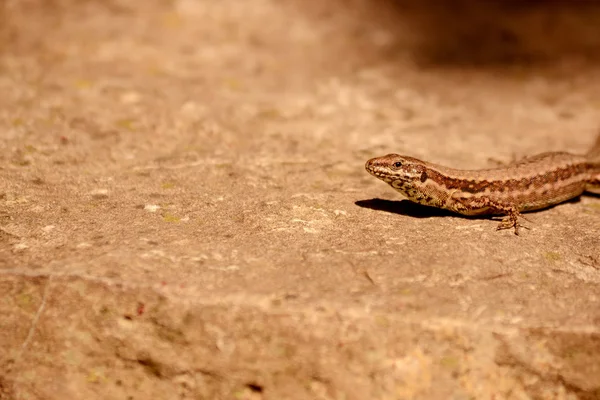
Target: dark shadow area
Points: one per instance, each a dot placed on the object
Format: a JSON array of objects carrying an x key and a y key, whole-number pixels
[
  {"x": 480, "y": 33},
  {"x": 464, "y": 33},
  {"x": 404, "y": 207},
  {"x": 471, "y": 33},
  {"x": 488, "y": 33},
  {"x": 595, "y": 195},
  {"x": 523, "y": 33}
]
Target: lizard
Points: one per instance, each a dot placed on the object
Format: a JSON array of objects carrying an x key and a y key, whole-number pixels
[{"x": 530, "y": 184}]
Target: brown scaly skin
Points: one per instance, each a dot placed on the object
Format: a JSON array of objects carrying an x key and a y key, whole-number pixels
[{"x": 530, "y": 184}]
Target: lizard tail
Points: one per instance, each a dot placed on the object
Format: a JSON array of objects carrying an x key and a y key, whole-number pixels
[{"x": 594, "y": 153}]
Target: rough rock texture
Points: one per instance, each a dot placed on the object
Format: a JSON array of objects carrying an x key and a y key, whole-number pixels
[{"x": 184, "y": 211}]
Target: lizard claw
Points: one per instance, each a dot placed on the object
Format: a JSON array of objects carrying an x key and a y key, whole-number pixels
[{"x": 512, "y": 221}]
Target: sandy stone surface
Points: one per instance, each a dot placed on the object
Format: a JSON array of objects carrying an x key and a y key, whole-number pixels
[{"x": 185, "y": 214}]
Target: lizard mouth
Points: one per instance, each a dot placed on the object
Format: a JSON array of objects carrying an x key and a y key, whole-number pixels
[{"x": 378, "y": 171}]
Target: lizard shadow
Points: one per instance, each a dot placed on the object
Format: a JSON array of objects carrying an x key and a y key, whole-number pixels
[
  {"x": 404, "y": 207},
  {"x": 595, "y": 195},
  {"x": 410, "y": 209}
]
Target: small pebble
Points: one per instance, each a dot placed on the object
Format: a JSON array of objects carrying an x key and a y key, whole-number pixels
[
  {"x": 152, "y": 207},
  {"x": 99, "y": 193}
]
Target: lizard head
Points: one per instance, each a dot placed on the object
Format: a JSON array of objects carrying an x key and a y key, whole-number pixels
[{"x": 401, "y": 172}]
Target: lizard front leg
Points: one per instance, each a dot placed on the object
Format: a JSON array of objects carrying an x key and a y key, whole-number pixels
[
  {"x": 511, "y": 220},
  {"x": 481, "y": 205}
]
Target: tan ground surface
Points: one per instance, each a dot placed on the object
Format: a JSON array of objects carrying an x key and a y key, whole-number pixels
[{"x": 184, "y": 211}]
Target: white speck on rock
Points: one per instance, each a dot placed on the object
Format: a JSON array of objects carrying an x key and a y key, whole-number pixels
[
  {"x": 152, "y": 208},
  {"x": 48, "y": 228},
  {"x": 20, "y": 247},
  {"x": 99, "y": 193},
  {"x": 232, "y": 267}
]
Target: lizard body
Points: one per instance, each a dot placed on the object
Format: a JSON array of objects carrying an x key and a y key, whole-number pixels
[{"x": 530, "y": 184}]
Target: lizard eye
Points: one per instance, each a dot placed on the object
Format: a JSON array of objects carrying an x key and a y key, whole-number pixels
[{"x": 397, "y": 164}]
